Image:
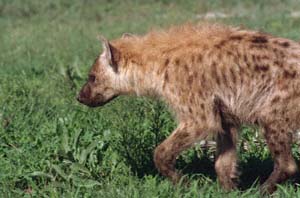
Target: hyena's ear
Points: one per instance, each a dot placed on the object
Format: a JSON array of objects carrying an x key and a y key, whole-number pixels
[
  {"x": 127, "y": 35},
  {"x": 110, "y": 53}
]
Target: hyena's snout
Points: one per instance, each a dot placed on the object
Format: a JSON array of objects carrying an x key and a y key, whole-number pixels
[
  {"x": 84, "y": 93},
  {"x": 92, "y": 98},
  {"x": 85, "y": 96}
]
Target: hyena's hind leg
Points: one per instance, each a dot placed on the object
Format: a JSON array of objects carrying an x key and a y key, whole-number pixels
[
  {"x": 226, "y": 161},
  {"x": 279, "y": 142}
]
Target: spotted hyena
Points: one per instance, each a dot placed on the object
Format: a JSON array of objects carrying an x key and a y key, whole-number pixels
[{"x": 214, "y": 78}]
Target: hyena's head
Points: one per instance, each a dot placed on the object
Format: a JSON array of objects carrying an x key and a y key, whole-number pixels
[{"x": 101, "y": 86}]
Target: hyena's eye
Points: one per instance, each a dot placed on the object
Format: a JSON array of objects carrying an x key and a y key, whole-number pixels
[{"x": 92, "y": 78}]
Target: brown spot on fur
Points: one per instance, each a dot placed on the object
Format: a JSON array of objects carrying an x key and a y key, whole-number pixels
[
  {"x": 193, "y": 58},
  {"x": 245, "y": 58},
  {"x": 281, "y": 54},
  {"x": 224, "y": 77},
  {"x": 277, "y": 63},
  {"x": 186, "y": 69},
  {"x": 166, "y": 63},
  {"x": 217, "y": 79},
  {"x": 284, "y": 44},
  {"x": 262, "y": 68},
  {"x": 195, "y": 74},
  {"x": 289, "y": 74},
  {"x": 272, "y": 144},
  {"x": 258, "y": 58},
  {"x": 236, "y": 37},
  {"x": 199, "y": 57},
  {"x": 190, "y": 80},
  {"x": 177, "y": 61},
  {"x": 162, "y": 149},
  {"x": 275, "y": 111},
  {"x": 254, "y": 58},
  {"x": 259, "y": 39},
  {"x": 275, "y": 100},
  {"x": 229, "y": 53},
  {"x": 166, "y": 77},
  {"x": 202, "y": 106},
  {"x": 220, "y": 44},
  {"x": 214, "y": 73},
  {"x": 233, "y": 76},
  {"x": 181, "y": 135},
  {"x": 203, "y": 80},
  {"x": 265, "y": 57}
]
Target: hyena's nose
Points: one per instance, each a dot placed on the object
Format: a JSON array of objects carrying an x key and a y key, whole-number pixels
[{"x": 78, "y": 98}]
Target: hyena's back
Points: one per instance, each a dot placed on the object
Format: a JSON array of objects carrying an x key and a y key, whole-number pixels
[{"x": 256, "y": 76}]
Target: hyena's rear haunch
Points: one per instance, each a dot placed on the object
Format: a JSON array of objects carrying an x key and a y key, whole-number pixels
[{"x": 214, "y": 78}]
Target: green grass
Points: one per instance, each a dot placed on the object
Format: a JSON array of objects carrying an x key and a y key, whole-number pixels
[{"x": 51, "y": 146}]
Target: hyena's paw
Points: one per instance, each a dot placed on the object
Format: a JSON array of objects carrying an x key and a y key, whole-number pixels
[{"x": 228, "y": 182}]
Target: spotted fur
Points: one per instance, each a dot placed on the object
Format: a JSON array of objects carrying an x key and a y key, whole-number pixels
[{"x": 214, "y": 78}]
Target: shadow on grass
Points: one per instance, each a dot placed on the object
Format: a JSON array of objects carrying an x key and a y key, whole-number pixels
[{"x": 253, "y": 171}]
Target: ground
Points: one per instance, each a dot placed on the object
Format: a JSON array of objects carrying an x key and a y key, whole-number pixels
[{"x": 51, "y": 146}]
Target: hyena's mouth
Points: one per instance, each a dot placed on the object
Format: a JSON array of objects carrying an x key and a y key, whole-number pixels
[
  {"x": 102, "y": 103},
  {"x": 98, "y": 100}
]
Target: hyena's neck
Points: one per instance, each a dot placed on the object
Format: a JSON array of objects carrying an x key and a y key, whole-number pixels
[{"x": 141, "y": 80}]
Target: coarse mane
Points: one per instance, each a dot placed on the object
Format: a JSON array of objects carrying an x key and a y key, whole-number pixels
[{"x": 156, "y": 42}]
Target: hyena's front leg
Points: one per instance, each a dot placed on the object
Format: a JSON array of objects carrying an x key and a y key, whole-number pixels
[
  {"x": 165, "y": 154},
  {"x": 226, "y": 161}
]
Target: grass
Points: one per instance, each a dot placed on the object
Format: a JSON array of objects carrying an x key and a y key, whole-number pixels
[{"x": 50, "y": 146}]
